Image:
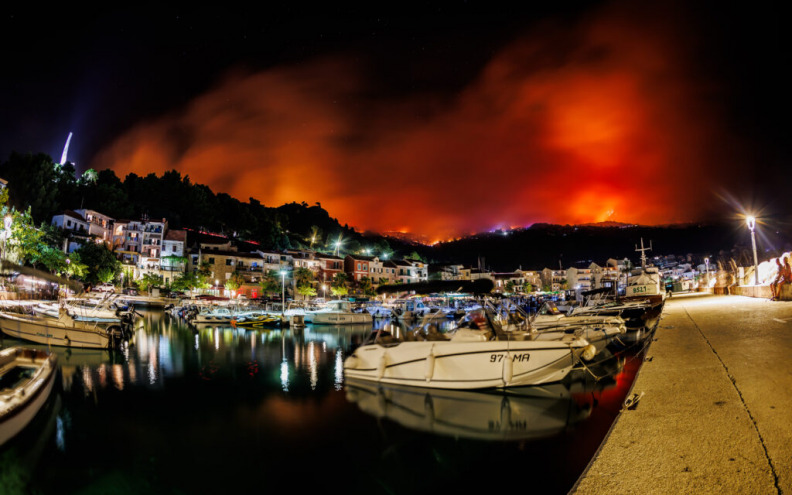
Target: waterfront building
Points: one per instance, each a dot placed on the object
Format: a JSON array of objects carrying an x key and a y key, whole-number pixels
[
  {"x": 502, "y": 282},
  {"x": 222, "y": 264},
  {"x": 274, "y": 260},
  {"x": 376, "y": 270},
  {"x": 404, "y": 272},
  {"x": 478, "y": 274},
  {"x": 553, "y": 280},
  {"x": 329, "y": 265},
  {"x": 173, "y": 263},
  {"x": 138, "y": 244},
  {"x": 357, "y": 266},
  {"x": 304, "y": 258},
  {"x": 449, "y": 272},
  {"x": 99, "y": 225},
  {"x": 75, "y": 227},
  {"x": 579, "y": 279},
  {"x": 531, "y": 277},
  {"x": 389, "y": 269}
]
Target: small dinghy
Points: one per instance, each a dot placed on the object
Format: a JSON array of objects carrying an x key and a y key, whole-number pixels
[{"x": 26, "y": 380}]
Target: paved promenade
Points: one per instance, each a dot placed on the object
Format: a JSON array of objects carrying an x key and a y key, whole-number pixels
[{"x": 716, "y": 411}]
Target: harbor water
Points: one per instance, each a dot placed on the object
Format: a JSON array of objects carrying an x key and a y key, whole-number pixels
[{"x": 187, "y": 410}]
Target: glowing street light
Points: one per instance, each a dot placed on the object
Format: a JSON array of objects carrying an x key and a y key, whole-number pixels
[
  {"x": 324, "y": 291},
  {"x": 751, "y": 221},
  {"x": 337, "y": 246}
]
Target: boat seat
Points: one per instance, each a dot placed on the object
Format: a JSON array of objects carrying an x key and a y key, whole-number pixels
[
  {"x": 434, "y": 334},
  {"x": 471, "y": 335}
]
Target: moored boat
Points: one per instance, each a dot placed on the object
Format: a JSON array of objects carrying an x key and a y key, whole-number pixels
[
  {"x": 482, "y": 352},
  {"x": 62, "y": 331},
  {"x": 338, "y": 313},
  {"x": 256, "y": 320},
  {"x": 26, "y": 380}
]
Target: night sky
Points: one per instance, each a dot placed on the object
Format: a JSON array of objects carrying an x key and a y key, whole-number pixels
[{"x": 437, "y": 119}]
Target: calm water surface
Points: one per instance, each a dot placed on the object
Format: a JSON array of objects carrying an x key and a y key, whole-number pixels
[{"x": 214, "y": 409}]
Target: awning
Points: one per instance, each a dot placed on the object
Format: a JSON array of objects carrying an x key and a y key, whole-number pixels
[
  {"x": 6, "y": 267},
  {"x": 480, "y": 286}
]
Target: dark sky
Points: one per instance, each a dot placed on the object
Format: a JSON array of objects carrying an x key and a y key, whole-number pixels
[{"x": 436, "y": 119}]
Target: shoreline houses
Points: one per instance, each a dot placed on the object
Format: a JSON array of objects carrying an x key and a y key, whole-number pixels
[{"x": 149, "y": 246}]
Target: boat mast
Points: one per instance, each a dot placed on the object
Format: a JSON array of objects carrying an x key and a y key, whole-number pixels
[{"x": 643, "y": 252}]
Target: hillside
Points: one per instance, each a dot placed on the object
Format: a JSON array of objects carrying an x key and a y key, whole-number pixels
[{"x": 35, "y": 181}]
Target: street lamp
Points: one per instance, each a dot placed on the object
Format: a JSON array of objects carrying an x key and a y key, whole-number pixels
[
  {"x": 283, "y": 295},
  {"x": 324, "y": 291},
  {"x": 7, "y": 231},
  {"x": 751, "y": 221},
  {"x": 706, "y": 264}
]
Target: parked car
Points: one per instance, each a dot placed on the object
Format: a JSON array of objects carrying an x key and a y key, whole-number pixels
[
  {"x": 106, "y": 287},
  {"x": 129, "y": 291}
]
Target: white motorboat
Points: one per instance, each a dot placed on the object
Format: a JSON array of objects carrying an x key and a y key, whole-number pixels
[
  {"x": 215, "y": 315},
  {"x": 480, "y": 353},
  {"x": 598, "y": 330},
  {"x": 84, "y": 313},
  {"x": 408, "y": 310},
  {"x": 432, "y": 312},
  {"x": 26, "y": 380},
  {"x": 338, "y": 312},
  {"x": 63, "y": 331},
  {"x": 379, "y": 310},
  {"x": 636, "y": 313}
]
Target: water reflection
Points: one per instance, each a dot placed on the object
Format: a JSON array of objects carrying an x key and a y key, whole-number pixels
[
  {"x": 21, "y": 456},
  {"x": 519, "y": 413},
  {"x": 164, "y": 406}
]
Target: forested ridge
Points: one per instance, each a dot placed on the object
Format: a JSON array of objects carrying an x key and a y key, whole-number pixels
[{"x": 49, "y": 188}]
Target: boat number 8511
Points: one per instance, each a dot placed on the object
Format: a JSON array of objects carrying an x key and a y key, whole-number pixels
[{"x": 497, "y": 358}]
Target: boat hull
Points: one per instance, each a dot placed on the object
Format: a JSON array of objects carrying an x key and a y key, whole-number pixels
[
  {"x": 340, "y": 318},
  {"x": 54, "y": 332},
  {"x": 464, "y": 365},
  {"x": 20, "y": 405}
]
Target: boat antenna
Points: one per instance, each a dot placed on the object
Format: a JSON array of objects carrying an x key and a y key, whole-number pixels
[{"x": 643, "y": 252}]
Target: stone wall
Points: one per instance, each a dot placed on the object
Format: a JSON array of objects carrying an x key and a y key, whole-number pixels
[{"x": 759, "y": 291}]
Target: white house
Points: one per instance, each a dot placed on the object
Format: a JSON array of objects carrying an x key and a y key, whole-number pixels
[
  {"x": 75, "y": 226},
  {"x": 99, "y": 225}
]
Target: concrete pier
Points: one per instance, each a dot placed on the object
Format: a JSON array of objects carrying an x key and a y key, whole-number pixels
[{"x": 715, "y": 407}]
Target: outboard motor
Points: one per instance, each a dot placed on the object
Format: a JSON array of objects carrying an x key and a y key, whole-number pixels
[{"x": 117, "y": 336}]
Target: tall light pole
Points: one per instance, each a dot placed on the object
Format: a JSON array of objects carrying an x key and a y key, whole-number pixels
[
  {"x": 751, "y": 221},
  {"x": 7, "y": 223},
  {"x": 283, "y": 295},
  {"x": 706, "y": 264}
]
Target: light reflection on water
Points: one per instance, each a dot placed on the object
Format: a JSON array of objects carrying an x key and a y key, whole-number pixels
[{"x": 181, "y": 400}]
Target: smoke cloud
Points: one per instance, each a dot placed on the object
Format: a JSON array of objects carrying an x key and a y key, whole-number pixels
[{"x": 605, "y": 119}]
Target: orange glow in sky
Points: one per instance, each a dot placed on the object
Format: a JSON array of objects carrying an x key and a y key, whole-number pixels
[{"x": 610, "y": 127}]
